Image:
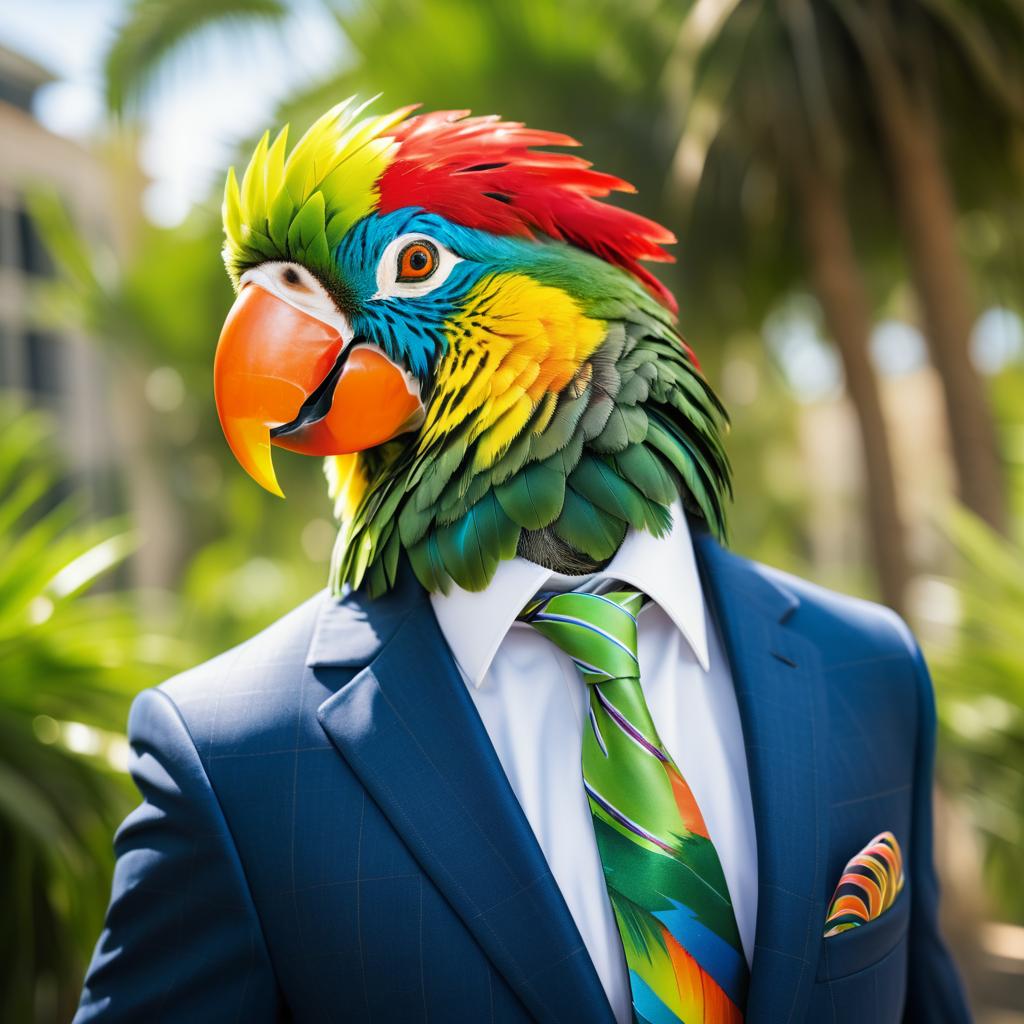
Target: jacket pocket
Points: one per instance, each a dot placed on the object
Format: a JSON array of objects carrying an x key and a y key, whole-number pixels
[{"x": 867, "y": 944}]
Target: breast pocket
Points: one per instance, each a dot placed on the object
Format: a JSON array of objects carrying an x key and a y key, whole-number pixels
[
  {"x": 862, "y": 973},
  {"x": 854, "y": 950}
]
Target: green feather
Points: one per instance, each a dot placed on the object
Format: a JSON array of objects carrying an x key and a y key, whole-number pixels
[
  {"x": 436, "y": 473},
  {"x": 376, "y": 579},
  {"x": 596, "y": 416},
  {"x": 389, "y": 504},
  {"x": 642, "y": 355},
  {"x": 318, "y": 252},
  {"x": 260, "y": 244},
  {"x": 626, "y": 425},
  {"x": 533, "y": 498},
  {"x": 703, "y": 448},
  {"x": 362, "y": 549},
  {"x": 660, "y": 519},
  {"x": 635, "y": 389},
  {"x": 568, "y": 458},
  {"x": 587, "y": 528},
  {"x": 279, "y": 219},
  {"x": 514, "y": 458},
  {"x": 647, "y": 473},
  {"x": 611, "y": 349},
  {"x": 455, "y": 504},
  {"x": 466, "y": 489},
  {"x": 562, "y": 426},
  {"x": 472, "y": 547},
  {"x": 307, "y": 224},
  {"x": 680, "y": 457},
  {"x": 392, "y": 553},
  {"x": 598, "y": 482},
  {"x": 426, "y": 562},
  {"x": 413, "y": 524}
]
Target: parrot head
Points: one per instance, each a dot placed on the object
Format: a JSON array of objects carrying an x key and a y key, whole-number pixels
[{"x": 454, "y": 319}]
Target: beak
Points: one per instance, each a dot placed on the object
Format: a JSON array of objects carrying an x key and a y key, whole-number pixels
[{"x": 286, "y": 378}]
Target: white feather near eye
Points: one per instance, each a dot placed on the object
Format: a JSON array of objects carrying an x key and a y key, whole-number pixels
[
  {"x": 294, "y": 284},
  {"x": 388, "y": 285}
]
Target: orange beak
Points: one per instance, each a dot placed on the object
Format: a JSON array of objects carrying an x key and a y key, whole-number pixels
[{"x": 283, "y": 377}]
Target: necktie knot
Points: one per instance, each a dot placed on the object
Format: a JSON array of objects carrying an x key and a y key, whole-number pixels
[{"x": 598, "y": 631}]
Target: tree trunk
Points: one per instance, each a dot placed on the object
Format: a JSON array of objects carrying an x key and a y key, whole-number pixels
[
  {"x": 837, "y": 282},
  {"x": 928, "y": 218}
]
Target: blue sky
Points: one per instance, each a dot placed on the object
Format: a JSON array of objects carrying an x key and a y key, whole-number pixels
[{"x": 221, "y": 91}]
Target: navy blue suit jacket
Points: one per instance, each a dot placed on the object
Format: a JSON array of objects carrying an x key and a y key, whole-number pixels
[{"x": 327, "y": 834}]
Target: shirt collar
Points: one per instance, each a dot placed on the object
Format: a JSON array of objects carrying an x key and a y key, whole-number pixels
[{"x": 474, "y": 624}]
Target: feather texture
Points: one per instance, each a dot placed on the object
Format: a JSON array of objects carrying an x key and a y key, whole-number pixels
[
  {"x": 561, "y": 404},
  {"x": 596, "y": 466}
]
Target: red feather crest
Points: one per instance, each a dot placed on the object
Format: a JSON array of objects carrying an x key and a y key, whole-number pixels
[{"x": 481, "y": 172}]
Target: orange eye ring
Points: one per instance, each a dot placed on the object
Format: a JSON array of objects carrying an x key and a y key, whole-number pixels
[{"x": 417, "y": 261}]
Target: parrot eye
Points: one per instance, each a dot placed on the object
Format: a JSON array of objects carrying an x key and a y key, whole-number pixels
[
  {"x": 413, "y": 265},
  {"x": 417, "y": 261}
]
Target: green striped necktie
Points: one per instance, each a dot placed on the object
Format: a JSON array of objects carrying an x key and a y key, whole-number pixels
[{"x": 664, "y": 878}]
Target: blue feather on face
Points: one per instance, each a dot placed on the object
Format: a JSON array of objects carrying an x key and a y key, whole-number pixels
[{"x": 411, "y": 329}]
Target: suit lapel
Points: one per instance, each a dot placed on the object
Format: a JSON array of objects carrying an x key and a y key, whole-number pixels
[
  {"x": 781, "y": 701},
  {"x": 408, "y": 728}
]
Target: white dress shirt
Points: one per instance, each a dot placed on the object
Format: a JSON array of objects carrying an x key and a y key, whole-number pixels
[{"x": 533, "y": 704}]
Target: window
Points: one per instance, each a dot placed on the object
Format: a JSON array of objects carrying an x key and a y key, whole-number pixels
[
  {"x": 8, "y": 238},
  {"x": 43, "y": 362},
  {"x": 35, "y": 258}
]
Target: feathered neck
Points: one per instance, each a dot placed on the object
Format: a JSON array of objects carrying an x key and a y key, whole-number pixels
[{"x": 636, "y": 427}]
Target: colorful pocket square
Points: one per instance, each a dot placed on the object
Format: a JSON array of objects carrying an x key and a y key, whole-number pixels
[{"x": 870, "y": 884}]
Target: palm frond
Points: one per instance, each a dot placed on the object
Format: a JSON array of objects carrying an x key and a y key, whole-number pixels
[
  {"x": 153, "y": 30},
  {"x": 71, "y": 661}
]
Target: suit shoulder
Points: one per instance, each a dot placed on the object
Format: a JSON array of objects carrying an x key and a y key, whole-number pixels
[
  {"x": 861, "y": 644},
  {"x": 250, "y": 691},
  {"x": 847, "y": 627},
  {"x": 282, "y": 644}
]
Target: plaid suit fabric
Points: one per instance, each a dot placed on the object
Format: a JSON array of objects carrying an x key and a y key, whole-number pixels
[{"x": 325, "y": 833}]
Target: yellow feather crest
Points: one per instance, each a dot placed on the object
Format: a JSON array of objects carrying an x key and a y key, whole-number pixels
[{"x": 298, "y": 205}]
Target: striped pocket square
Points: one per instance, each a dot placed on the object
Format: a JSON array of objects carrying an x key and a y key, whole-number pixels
[{"x": 870, "y": 884}]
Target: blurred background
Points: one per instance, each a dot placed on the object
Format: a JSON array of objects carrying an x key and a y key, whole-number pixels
[{"x": 845, "y": 179}]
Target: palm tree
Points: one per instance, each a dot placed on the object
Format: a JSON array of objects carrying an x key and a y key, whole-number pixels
[
  {"x": 759, "y": 70},
  {"x": 979, "y": 683},
  {"x": 905, "y": 50},
  {"x": 153, "y": 30},
  {"x": 71, "y": 661},
  {"x": 908, "y": 61}
]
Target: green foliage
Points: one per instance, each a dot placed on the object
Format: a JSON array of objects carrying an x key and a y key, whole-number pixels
[
  {"x": 72, "y": 658},
  {"x": 244, "y": 561},
  {"x": 153, "y": 29},
  {"x": 979, "y": 681}
]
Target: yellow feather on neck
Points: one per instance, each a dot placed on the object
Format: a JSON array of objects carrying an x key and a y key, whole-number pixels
[
  {"x": 346, "y": 483},
  {"x": 513, "y": 343}
]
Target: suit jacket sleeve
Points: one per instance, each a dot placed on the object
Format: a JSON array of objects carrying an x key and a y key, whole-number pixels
[
  {"x": 181, "y": 939},
  {"x": 934, "y": 990}
]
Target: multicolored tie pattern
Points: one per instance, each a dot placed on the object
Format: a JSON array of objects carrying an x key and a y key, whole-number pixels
[
  {"x": 666, "y": 885},
  {"x": 870, "y": 884}
]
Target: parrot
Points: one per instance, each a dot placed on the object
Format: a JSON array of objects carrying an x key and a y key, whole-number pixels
[{"x": 445, "y": 308}]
